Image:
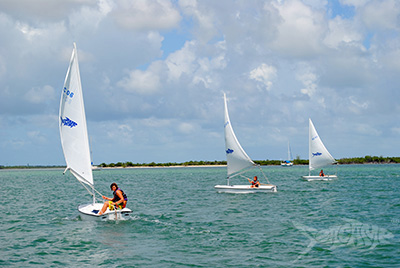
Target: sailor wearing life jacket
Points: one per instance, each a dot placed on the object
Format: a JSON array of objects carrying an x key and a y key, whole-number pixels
[{"x": 118, "y": 201}]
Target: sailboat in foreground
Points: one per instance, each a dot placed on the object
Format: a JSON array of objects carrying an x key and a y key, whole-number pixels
[
  {"x": 75, "y": 142},
  {"x": 238, "y": 162},
  {"x": 318, "y": 155},
  {"x": 288, "y": 163}
]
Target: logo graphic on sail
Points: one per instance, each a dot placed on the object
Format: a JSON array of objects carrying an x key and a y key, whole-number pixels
[
  {"x": 68, "y": 92},
  {"x": 229, "y": 151},
  {"x": 316, "y": 154},
  {"x": 68, "y": 122}
]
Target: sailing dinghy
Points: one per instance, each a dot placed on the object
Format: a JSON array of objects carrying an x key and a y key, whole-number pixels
[
  {"x": 75, "y": 142},
  {"x": 318, "y": 155},
  {"x": 238, "y": 162},
  {"x": 288, "y": 163}
]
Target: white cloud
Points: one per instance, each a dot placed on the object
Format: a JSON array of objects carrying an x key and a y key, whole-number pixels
[
  {"x": 29, "y": 31},
  {"x": 122, "y": 133},
  {"x": 36, "y": 136},
  {"x": 264, "y": 74},
  {"x": 186, "y": 128},
  {"x": 306, "y": 75},
  {"x": 366, "y": 129},
  {"x": 301, "y": 30},
  {"x": 39, "y": 95},
  {"x": 381, "y": 15},
  {"x": 391, "y": 59},
  {"x": 146, "y": 15},
  {"x": 342, "y": 31},
  {"x": 39, "y": 10},
  {"x": 356, "y": 106},
  {"x": 182, "y": 61},
  {"x": 142, "y": 82},
  {"x": 204, "y": 28},
  {"x": 87, "y": 18}
]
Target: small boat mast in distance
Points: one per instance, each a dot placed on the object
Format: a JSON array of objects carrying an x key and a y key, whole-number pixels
[
  {"x": 75, "y": 142},
  {"x": 319, "y": 156},
  {"x": 238, "y": 162},
  {"x": 288, "y": 162}
]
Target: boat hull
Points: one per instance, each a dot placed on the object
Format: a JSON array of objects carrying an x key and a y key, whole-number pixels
[
  {"x": 88, "y": 212},
  {"x": 286, "y": 164},
  {"x": 319, "y": 178},
  {"x": 245, "y": 189}
]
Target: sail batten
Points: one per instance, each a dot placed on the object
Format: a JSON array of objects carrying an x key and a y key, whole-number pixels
[
  {"x": 72, "y": 124},
  {"x": 318, "y": 155},
  {"x": 237, "y": 159}
]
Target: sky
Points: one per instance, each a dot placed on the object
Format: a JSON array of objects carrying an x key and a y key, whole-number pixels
[{"x": 154, "y": 72}]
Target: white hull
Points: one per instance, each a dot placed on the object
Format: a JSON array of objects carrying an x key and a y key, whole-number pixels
[
  {"x": 319, "y": 178},
  {"x": 287, "y": 164},
  {"x": 88, "y": 212},
  {"x": 245, "y": 189},
  {"x": 96, "y": 168}
]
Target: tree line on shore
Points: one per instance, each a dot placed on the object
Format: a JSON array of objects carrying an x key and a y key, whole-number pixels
[{"x": 343, "y": 161}]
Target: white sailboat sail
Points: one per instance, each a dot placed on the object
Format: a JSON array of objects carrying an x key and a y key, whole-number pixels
[
  {"x": 73, "y": 129},
  {"x": 318, "y": 154},
  {"x": 289, "y": 152},
  {"x": 237, "y": 159},
  {"x": 239, "y": 162}
]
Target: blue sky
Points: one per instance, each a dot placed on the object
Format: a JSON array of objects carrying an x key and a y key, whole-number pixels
[{"x": 153, "y": 73}]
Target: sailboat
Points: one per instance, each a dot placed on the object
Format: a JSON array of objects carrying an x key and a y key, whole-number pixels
[
  {"x": 94, "y": 168},
  {"x": 318, "y": 155},
  {"x": 238, "y": 162},
  {"x": 75, "y": 142},
  {"x": 287, "y": 163}
]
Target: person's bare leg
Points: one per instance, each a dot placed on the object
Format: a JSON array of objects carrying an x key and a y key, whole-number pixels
[{"x": 104, "y": 208}]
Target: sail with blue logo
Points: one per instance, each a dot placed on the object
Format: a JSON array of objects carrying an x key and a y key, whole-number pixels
[
  {"x": 318, "y": 154},
  {"x": 237, "y": 159},
  {"x": 72, "y": 124}
]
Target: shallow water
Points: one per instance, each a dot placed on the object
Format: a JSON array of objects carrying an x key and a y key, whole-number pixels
[{"x": 179, "y": 220}]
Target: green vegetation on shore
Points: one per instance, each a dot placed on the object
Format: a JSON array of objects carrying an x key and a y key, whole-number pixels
[
  {"x": 344, "y": 161},
  {"x": 355, "y": 160}
]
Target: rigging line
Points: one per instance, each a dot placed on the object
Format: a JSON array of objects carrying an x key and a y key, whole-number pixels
[
  {"x": 244, "y": 177},
  {"x": 242, "y": 171},
  {"x": 91, "y": 193},
  {"x": 265, "y": 177},
  {"x": 263, "y": 174}
]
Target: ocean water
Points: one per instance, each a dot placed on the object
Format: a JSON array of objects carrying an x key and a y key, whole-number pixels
[{"x": 179, "y": 220}]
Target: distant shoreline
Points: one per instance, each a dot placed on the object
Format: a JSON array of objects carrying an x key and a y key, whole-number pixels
[
  {"x": 297, "y": 162},
  {"x": 165, "y": 167}
]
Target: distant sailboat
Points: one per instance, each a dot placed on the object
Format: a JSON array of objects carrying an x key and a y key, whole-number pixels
[
  {"x": 288, "y": 162},
  {"x": 238, "y": 162},
  {"x": 318, "y": 155},
  {"x": 94, "y": 168},
  {"x": 75, "y": 142}
]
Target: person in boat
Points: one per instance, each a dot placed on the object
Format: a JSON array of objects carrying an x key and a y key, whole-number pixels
[
  {"x": 118, "y": 201},
  {"x": 321, "y": 173},
  {"x": 254, "y": 182}
]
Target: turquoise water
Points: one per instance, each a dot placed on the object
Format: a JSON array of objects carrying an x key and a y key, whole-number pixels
[{"x": 180, "y": 221}]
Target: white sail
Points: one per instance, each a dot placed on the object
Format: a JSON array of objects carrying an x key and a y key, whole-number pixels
[
  {"x": 73, "y": 129},
  {"x": 237, "y": 159},
  {"x": 318, "y": 154},
  {"x": 289, "y": 152}
]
